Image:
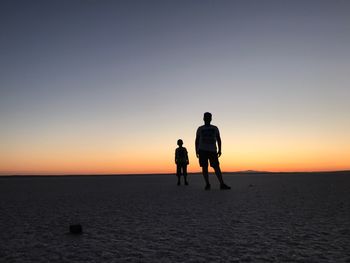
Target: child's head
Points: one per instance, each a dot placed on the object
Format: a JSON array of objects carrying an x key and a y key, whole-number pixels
[{"x": 180, "y": 142}]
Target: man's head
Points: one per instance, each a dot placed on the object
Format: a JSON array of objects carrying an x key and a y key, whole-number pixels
[
  {"x": 207, "y": 118},
  {"x": 180, "y": 142}
]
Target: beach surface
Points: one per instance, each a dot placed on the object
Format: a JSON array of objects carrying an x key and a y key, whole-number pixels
[{"x": 301, "y": 217}]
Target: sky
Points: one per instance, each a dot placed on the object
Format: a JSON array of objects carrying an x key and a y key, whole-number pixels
[{"x": 100, "y": 87}]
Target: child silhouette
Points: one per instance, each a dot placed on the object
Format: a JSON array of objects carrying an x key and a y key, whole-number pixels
[{"x": 181, "y": 161}]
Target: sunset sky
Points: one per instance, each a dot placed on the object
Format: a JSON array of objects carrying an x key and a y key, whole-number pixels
[{"x": 109, "y": 86}]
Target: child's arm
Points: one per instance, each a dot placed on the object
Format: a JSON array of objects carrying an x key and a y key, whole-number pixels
[{"x": 176, "y": 156}]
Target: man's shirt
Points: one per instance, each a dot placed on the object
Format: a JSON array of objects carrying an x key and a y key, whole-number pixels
[{"x": 207, "y": 135}]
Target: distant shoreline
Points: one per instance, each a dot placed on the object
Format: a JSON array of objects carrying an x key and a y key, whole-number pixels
[{"x": 238, "y": 173}]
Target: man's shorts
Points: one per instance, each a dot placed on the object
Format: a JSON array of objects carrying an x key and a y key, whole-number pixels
[{"x": 204, "y": 156}]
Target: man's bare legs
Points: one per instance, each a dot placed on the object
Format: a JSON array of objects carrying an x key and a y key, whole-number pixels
[
  {"x": 218, "y": 174},
  {"x": 206, "y": 177}
]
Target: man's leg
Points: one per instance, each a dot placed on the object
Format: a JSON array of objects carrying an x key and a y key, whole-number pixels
[
  {"x": 218, "y": 174},
  {"x": 206, "y": 177},
  {"x": 214, "y": 162},
  {"x": 203, "y": 162}
]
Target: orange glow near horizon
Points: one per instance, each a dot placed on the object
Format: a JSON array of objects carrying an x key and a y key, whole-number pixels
[
  {"x": 269, "y": 148},
  {"x": 236, "y": 157},
  {"x": 143, "y": 168}
]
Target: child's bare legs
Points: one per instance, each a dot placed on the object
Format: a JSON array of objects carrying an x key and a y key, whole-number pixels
[
  {"x": 184, "y": 172},
  {"x": 178, "y": 174}
]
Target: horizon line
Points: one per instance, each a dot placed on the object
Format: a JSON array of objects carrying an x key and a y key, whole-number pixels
[{"x": 172, "y": 173}]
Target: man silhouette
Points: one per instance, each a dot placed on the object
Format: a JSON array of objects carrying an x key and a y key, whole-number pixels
[{"x": 206, "y": 138}]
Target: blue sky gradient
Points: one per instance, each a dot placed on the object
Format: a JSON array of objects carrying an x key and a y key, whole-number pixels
[{"x": 102, "y": 78}]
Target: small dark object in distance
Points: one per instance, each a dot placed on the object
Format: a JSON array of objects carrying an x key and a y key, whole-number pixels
[
  {"x": 75, "y": 229},
  {"x": 251, "y": 185}
]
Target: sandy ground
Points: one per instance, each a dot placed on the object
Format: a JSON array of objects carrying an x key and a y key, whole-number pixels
[{"x": 263, "y": 218}]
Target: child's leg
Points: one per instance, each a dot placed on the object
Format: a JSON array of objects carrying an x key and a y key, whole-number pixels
[
  {"x": 185, "y": 173},
  {"x": 178, "y": 173}
]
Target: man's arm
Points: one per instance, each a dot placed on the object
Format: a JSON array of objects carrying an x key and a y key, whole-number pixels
[
  {"x": 197, "y": 144},
  {"x": 218, "y": 139}
]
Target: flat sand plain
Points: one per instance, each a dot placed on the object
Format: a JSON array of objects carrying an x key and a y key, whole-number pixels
[{"x": 263, "y": 218}]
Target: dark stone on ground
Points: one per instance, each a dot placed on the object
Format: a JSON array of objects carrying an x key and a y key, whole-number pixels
[{"x": 75, "y": 229}]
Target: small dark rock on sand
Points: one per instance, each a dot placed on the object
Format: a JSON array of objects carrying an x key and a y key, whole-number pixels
[{"x": 75, "y": 229}]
